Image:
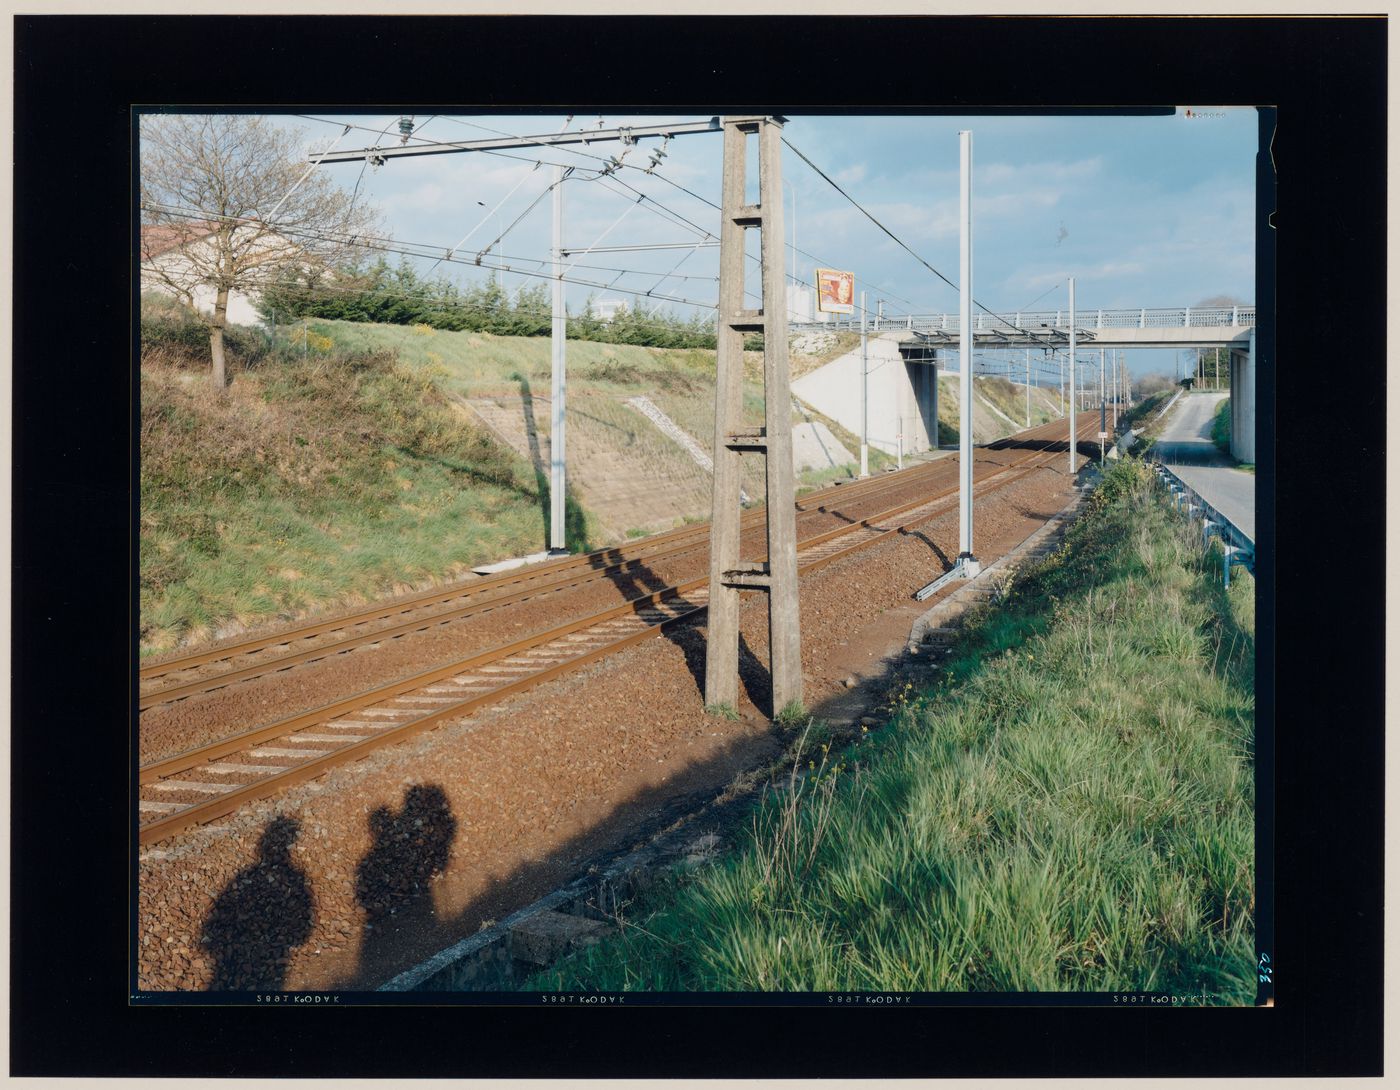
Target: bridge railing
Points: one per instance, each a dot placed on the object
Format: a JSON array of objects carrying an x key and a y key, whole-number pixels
[{"x": 1044, "y": 320}]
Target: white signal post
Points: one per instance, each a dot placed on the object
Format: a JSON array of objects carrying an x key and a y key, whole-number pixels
[
  {"x": 1072, "y": 435},
  {"x": 965, "y": 558},
  {"x": 1028, "y": 387},
  {"x": 1103, "y": 409},
  {"x": 966, "y": 566},
  {"x": 864, "y": 379},
  {"x": 630, "y": 134}
]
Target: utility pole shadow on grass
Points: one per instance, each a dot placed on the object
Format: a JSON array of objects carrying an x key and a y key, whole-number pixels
[{"x": 575, "y": 521}]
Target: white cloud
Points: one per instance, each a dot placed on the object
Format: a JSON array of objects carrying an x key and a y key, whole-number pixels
[
  {"x": 998, "y": 174},
  {"x": 1084, "y": 275}
]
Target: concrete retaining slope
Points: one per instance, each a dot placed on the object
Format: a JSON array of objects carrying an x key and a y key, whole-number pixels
[
  {"x": 814, "y": 447},
  {"x": 901, "y": 398},
  {"x": 834, "y": 391}
]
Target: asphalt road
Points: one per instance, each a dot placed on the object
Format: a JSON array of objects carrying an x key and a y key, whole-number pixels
[
  {"x": 1229, "y": 491},
  {"x": 1186, "y": 446},
  {"x": 1187, "y": 432}
]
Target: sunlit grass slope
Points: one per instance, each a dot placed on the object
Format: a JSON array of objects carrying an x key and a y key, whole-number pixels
[
  {"x": 601, "y": 377},
  {"x": 319, "y": 478}
]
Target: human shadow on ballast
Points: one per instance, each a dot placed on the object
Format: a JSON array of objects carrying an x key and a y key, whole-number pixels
[
  {"x": 410, "y": 847},
  {"x": 260, "y": 917}
]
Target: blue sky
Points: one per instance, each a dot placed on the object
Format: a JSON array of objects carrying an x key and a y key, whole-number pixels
[{"x": 1142, "y": 211}]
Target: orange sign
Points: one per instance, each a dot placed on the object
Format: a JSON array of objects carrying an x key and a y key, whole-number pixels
[{"x": 836, "y": 291}]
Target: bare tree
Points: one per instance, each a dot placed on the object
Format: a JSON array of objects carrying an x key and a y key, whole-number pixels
[
  {"x": 1219, "y": 301},
  {"x": 227, "y": 205},
  {"x": 1148, "y": 385}
]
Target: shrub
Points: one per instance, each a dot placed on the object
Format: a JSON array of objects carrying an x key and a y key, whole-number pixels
[
  {"x": 1220, "y": 426},
  {"x": 314, "y": 477},
  {"x": 174, "y": 335}
]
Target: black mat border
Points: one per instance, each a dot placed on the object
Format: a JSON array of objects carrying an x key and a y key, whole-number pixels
[{"x": 76, "y": 78}]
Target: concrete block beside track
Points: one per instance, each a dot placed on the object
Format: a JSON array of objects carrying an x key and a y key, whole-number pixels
[{"x": 547, "y": 936}]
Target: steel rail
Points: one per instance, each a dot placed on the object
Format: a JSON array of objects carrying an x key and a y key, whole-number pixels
[
  {"x": 233, "y": 797},
  {"x": 587, "y": 566},
  {"x": 585, "y": 563},
  {"x": 581, "y": 575},
  {"x": 684, "y": 540},
  {"x": 188, "y": 759},
  {"x": 192, "y": 758},
  {"x": 170, "y": 693}
]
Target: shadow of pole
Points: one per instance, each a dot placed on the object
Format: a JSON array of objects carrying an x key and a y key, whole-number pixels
[
  {"x": 575, "y": 519},
  {"x": 532, "y": 438}
]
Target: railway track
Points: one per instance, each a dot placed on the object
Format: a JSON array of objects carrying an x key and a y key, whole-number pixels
[
  {"x": 172, "y": 679},
  {"x": 213, "y": 780}
]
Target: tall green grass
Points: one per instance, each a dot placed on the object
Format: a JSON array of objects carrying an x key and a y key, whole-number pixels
[
  {"x": 1220, "y": 426},
  {"x": 1145, "y": 410},
  {"x": 1067, "y": 804}
]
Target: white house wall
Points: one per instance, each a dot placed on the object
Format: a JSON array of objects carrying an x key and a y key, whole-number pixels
[
  {"x": 242, "y": 310},
  {"x": 177, "y": 266}
]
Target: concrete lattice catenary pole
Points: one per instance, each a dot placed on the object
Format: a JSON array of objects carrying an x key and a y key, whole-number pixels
[{"x": 557, "y": 482}]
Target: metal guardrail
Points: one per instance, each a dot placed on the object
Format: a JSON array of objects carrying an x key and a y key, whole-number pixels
[
  {"x": 1034, "y": 321},
  {"x": 1239, "y": 549}
]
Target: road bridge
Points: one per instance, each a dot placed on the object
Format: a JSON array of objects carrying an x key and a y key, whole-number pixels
[
  {"x": 1133, "y": 327},
  {"x": 1229, "y": 327}
]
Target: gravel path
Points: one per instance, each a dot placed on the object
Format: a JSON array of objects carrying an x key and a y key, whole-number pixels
[{"x": 342, "y": 882}]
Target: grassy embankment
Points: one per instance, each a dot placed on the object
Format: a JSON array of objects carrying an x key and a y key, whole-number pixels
[
  {"x": 1067, "y": 805},
  {"x": 680, "y": 382},
  {"x": 1010, "y": 398},
  {"x": 316, "y": 477},
  {"x": 1220, "y": 427},
  {"x": 337, "y": 466},
  {"x": 1145, "y": 410}
]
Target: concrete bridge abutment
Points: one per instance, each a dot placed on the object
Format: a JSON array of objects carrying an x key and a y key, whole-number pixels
[
  {"x": 902, "y": 404},
  {"x": 1243, "y": 405}
]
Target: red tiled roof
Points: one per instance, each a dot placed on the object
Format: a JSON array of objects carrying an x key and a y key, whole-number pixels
[{"x": 158, "y": 238}]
